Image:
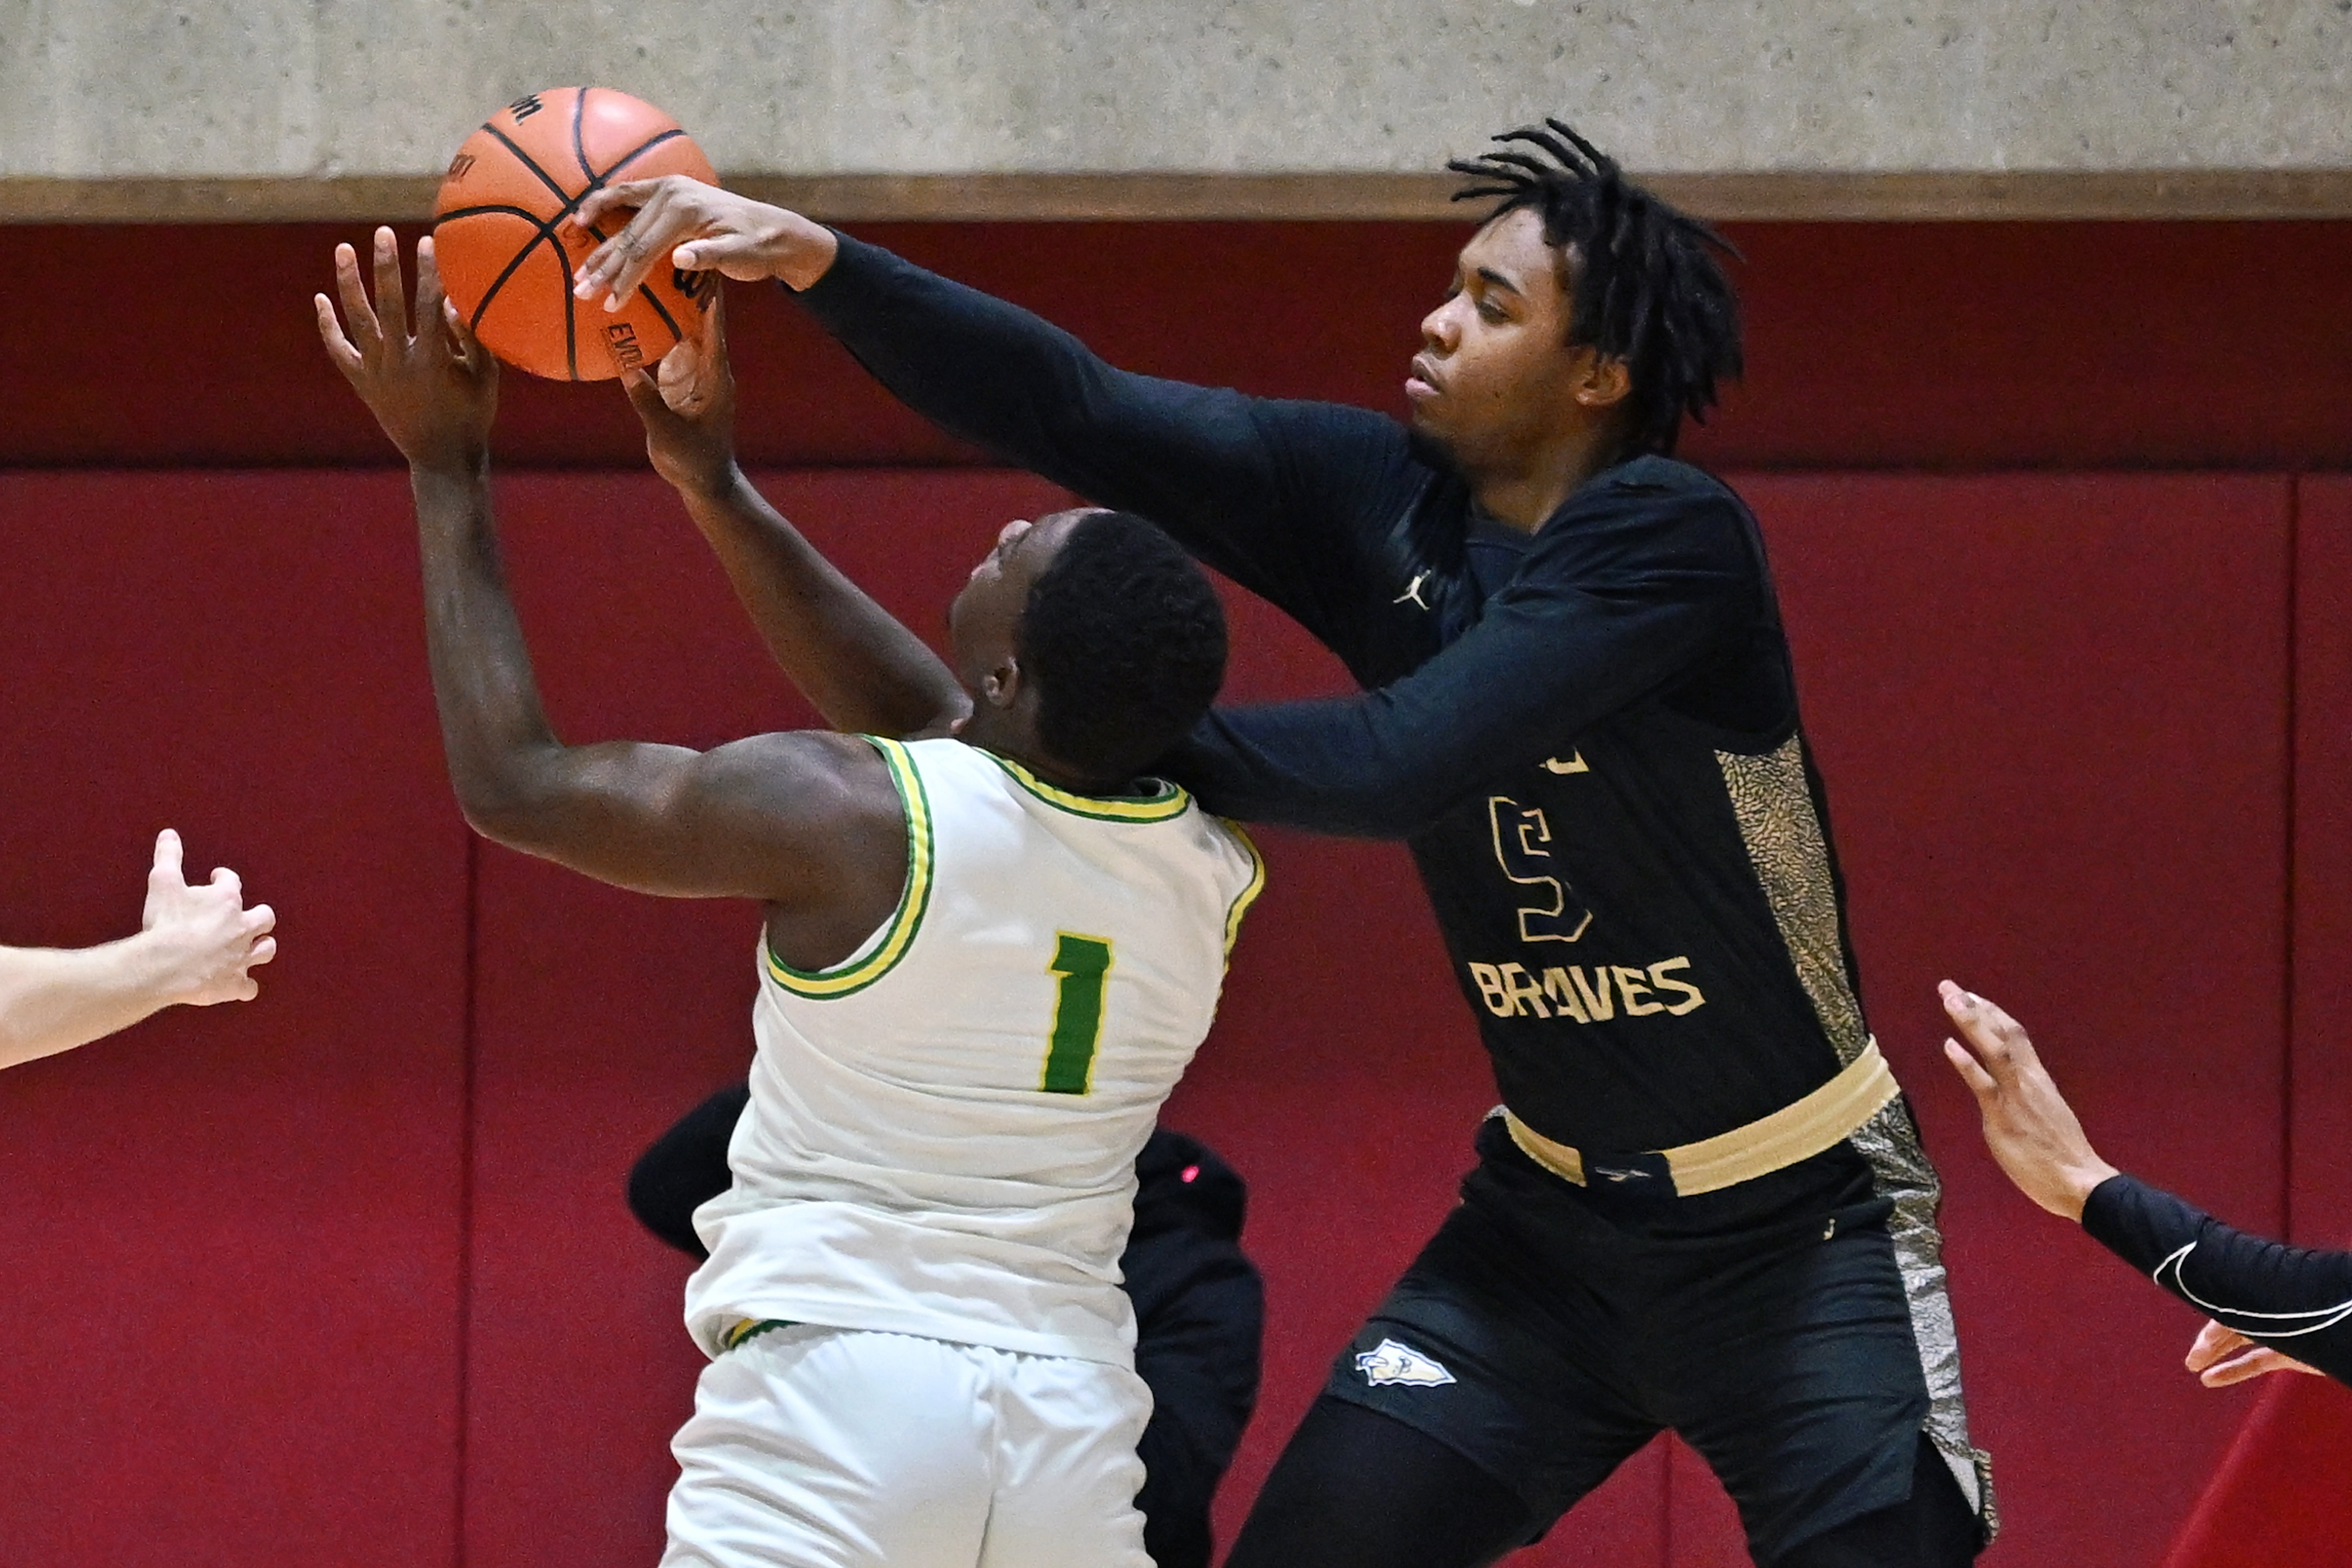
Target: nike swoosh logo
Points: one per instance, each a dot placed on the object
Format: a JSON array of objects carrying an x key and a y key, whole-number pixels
[{"x": 1575, "y": 764}]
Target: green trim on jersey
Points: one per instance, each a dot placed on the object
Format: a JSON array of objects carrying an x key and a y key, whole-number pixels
[
  {"x": 1169, "y": 801},
  {"x": 1249, "y": 895},
  {"x": 745, "y": 1331},
  {"x": 913, "y": 899}
]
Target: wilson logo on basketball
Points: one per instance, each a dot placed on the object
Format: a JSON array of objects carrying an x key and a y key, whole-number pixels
[{"x": 626, "y": 348}]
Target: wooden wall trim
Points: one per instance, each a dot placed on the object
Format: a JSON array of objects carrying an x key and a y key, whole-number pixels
[{"x": 1749, "y": 197}]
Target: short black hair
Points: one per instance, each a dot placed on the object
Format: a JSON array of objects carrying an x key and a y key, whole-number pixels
[
  {"x": 1126, "y": 640},
  {"x": 1648, "y": 286}
]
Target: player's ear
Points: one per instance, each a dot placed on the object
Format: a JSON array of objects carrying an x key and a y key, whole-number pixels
[
  {"x": 1602, "y": 380},
  {"x": 1001, "y": 687}
]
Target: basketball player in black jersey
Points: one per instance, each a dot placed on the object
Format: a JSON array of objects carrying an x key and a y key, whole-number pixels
[{"x": 1706, "y": 1207}]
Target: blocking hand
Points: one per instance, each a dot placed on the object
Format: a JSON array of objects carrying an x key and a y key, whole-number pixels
[
  {"x": 720, "y": 231},
  {"x": 204, "y": 938},
  {"x": 2028, "y": 1126},
  {"x": 435, "y": 390}
]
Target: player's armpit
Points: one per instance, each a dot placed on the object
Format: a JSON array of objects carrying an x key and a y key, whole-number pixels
[{"x": 796, "y": 820}]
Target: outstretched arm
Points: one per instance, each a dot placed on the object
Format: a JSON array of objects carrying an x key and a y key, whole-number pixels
[
  {"x": 1619, "y": 596},
  {"x": 1279, "y": 496},
  {"x": 2269, "y": 1307},
  {"x": 197, "y": 945},
  {"x": 862, "y": 669},
  {"x": 2294, "y": 1303},
  {"x": 774, "y": 818},
  {"x": 2033, "y": 1133}
]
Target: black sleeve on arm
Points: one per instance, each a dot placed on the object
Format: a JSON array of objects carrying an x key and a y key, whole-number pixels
[
  {"x": 2292, "y": 1299},
  {"x": 1273, "y": 494},
  {"x": 1620, "y": 595}
]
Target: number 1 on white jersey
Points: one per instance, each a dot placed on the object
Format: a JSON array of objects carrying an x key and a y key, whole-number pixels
[{"x": 1082, "y": 963}]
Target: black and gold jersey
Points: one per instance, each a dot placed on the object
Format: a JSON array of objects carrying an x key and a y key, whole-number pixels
[{"x": 1628, "y": 857}]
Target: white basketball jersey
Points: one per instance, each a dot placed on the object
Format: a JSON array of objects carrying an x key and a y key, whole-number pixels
[{"x": 943, "y": 1128}]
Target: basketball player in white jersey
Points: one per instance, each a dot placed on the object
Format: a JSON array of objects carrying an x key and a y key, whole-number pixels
[{"x": 989, "y": 951}]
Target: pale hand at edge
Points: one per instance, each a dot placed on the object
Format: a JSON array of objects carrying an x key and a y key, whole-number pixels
[{"x": 204, "y": 938}]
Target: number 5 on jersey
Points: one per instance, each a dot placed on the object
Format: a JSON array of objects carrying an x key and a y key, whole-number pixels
[{"x": 1082, "y": 963}]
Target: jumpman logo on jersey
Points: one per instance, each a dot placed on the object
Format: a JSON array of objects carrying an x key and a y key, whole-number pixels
[{"x": 1411, "y": 594}]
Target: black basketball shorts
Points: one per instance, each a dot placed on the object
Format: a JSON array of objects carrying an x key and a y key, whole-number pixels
[{"x": 1546, "y": 1338}]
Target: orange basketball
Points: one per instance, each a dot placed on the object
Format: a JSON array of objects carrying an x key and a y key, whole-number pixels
[{"x": 507, "y": 243}]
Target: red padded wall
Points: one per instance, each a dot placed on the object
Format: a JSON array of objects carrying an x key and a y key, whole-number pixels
[
  {"x": 233, "y": 1251},
  {"x": 2320, "y": 1195},
  {"x": 2053, "y": 712},
  {"x": 2279, "y": 1495},
  {"x": 1869, "y": 345}
]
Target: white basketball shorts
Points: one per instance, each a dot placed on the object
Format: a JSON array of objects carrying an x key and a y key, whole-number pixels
[{"x": 825, "y": 1447}]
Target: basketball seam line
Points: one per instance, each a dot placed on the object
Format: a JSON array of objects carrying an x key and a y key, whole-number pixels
[
  {"x": 547, "y": 227},
  {"x": 491, "y": 209},
  {"x": 571, "y": 304},
  {"x": 579, "y": 145},
  {"x": 531, "y": 164},
  {"x": 546, "y": 237},
  {"x": 487, "y": 208},
  {"x": 660, "y": 310}
]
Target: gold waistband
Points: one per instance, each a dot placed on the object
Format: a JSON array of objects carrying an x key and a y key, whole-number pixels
[{"x": 1819, "y": 1121}]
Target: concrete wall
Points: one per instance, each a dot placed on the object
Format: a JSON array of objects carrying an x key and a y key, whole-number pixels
[{"x": 328, "y": 92}]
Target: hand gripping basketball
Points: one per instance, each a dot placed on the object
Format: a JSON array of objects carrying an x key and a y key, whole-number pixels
[
  {"x": 689, "y": 411},
  {"x": 698, "y": 228}
]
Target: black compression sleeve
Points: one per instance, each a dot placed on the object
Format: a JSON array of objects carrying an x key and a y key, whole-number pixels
[{"x": 2292, "y": 1299}]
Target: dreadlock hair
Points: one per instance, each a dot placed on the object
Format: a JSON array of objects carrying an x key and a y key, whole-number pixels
[
  {"x": 1125, "y": 640},
  {"x": 1647, "y": 286}
]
